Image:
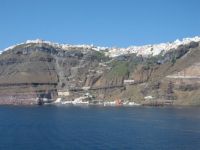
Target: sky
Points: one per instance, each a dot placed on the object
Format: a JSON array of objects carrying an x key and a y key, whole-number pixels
[{"x": 117, "y": 23}]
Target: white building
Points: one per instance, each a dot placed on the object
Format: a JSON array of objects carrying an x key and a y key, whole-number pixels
[
  {"x": 63, "y": 93},
  {"x": 129, "y": 81}
]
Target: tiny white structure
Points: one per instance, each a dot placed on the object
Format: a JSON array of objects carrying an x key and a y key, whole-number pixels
[
  {"x": 129, "y": 81},
  {"x": 133, "y": 104},
  {"x": 88, "y": 95},
  {"x": 63, "y": 93},
  {"x": 58, "y": 100},
  {"x": 66, "y": 102},
  {"x": 79, "y": 101},
  {"x": 111, "y": 103},
  {"x": 148, "y": 97},
  {"x": 99, "y": 71},
  {"x": 85, "y": 88}
]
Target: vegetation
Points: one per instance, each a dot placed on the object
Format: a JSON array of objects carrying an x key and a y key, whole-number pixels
[
  {"x": 99, "y": 54},
  {"x": 119, "y": 69}
]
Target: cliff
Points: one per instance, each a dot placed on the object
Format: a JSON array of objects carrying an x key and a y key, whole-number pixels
[{"x": 37, "y": 72}]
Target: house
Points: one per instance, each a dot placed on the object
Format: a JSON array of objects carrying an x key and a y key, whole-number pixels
[
  {"x": 63, "y": 93},
  {"x": 85, "y": 88},
  {"x": 128, "y": 82}
]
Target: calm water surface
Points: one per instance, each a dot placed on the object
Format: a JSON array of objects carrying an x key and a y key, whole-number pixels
[{"x": 62, "y": 128}]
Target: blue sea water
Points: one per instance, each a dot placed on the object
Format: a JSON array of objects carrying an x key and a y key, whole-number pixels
[{"x": 96, "y": 128}]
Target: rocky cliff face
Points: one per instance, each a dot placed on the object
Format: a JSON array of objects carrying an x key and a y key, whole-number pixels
[{"x": 37, "y": 72}]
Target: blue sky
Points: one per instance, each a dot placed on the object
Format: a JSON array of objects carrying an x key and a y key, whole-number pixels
[{"x": 101, "y": 22}]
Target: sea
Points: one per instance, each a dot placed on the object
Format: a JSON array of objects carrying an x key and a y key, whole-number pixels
[{"x": 99, "y": 128}]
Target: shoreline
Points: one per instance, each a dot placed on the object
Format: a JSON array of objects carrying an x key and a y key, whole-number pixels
[{"x": 102, "y": 106}]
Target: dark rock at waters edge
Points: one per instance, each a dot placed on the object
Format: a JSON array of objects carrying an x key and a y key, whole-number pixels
[
  {"x": 38, "y": 73},
  {"x": 28, "y": 98}
]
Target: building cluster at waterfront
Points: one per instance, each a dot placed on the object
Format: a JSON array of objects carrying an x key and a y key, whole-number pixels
[{"x": 88, "y": 99}]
